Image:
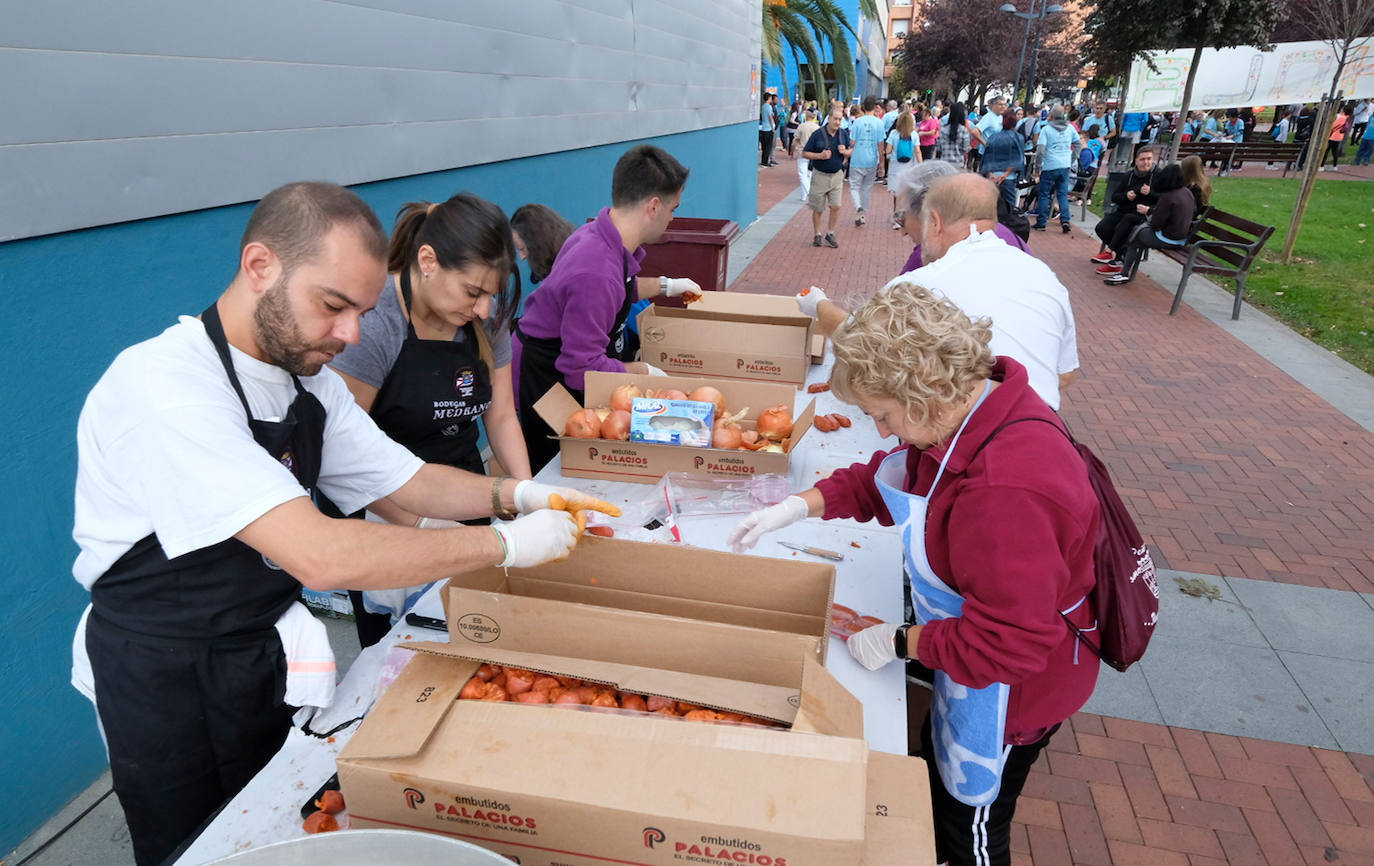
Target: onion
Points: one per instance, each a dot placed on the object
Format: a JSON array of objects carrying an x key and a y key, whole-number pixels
[
  {"x": 583, "y": 424},
  {"x": 708, "y": 394},
  {"x": 726, "y": 435},
  {"x": 665, "y": 394},
  {"x": 751, "y": 440},
  {"x": 775, "y": 423},
  {"x": 532, "y": 698},
  {"x": 633, "y": 702},
  {"x": 616, "y": 425},
  {"x": 623, "y": 396}
]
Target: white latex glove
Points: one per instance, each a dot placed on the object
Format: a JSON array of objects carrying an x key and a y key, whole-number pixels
[
  {"x": 873, "y": 647},
  {"x": 681, "y": 286},
  {"x": 532, "y": 496},
  {"x": 752, "y": 527},
  {"x": 653, "y": 371},
  {"x": 533, "y": 539},
  {"x": 809, "y": 299}
]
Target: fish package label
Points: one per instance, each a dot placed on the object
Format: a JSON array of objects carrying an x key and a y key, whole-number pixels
[{"x": 672, "y": 422}]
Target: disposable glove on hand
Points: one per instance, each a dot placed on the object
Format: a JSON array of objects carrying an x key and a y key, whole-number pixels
[
  {"x": 653, "y": 371},
  {"x": 682, "y": 286},
  {"x": 532, "y": 496},
  {"x": 533, "y": 539},
  {"x": 810, "y": 299},
  {"x": 873, "y": 647},
  {"x": 752, "y": 527}
]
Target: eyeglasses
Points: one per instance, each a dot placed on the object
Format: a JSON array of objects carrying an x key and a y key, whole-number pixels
[{"x": 900, "y": 218}]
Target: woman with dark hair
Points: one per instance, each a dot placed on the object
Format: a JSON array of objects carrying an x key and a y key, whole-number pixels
[
  {"x": 434, "y": 356},
  {"x": 1168, "y": 226},
  {"x": 954, "y": 141},
  {"x": 539, "y": 234}
]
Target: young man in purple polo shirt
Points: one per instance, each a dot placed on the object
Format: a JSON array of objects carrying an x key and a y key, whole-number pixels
[{"x": 576, "y": 321}]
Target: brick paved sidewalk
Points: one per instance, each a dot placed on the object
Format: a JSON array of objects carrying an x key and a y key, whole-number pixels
[
  {"x": 1110, "y": 792},
  {"x": 1232, "y": 468}
]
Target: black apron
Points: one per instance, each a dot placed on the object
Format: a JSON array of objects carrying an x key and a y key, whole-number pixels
[
  {"x": 189, "y": 671},
  {"x": 429, "y": 402},
  {"x": 435, "y": 392},
  {"x": 539, "y": 372}
]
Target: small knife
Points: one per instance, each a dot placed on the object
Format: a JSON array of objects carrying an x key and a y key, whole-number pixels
[{"x": 814, "y": 551}]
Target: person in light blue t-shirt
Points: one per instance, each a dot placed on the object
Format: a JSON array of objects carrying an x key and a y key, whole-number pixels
[
  {"x": 866, "y": 133},
  {"x": 991, "y": 122},
  {"x": 1057, "y": 149}
]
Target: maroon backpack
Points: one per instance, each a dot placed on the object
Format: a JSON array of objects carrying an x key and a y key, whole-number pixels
[{"x": 1125, "y": 599}]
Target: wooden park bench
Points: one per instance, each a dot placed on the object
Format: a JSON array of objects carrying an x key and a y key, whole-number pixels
[
  {"x": 1223, "y": 244},
  {"x": 1231, "y": 153}
]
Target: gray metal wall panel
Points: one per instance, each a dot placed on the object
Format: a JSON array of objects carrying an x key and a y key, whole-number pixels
[{"x": 146, "y": 107}]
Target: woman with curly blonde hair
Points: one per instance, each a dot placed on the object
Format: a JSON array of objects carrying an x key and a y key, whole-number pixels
[{"x": 998, "y": 527}]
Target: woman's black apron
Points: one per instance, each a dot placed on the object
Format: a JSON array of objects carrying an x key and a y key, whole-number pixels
[
  {"x": 539, "y": 372},
  {"x": 189, "y": 670}
]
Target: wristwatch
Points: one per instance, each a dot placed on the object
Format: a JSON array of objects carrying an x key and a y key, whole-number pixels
[
  {"x": 663, "y": 285},
  {"x": 899, "y": 641}
]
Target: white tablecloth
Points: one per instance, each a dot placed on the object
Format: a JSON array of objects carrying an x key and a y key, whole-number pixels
[{"x": 868, "y": 580}]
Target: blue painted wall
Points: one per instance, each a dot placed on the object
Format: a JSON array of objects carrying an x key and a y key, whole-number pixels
[{"x": 77, "y": 299}]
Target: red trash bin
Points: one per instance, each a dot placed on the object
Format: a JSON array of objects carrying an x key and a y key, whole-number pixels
[{"x": 691, "y": 247}]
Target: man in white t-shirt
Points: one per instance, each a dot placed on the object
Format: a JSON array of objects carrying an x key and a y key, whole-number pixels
[
  {"x": 965, "y": 260},
  {"x": 199, "y": 452}
]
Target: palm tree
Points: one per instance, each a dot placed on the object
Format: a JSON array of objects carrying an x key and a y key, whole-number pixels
[{"x": 808, "y": 26}]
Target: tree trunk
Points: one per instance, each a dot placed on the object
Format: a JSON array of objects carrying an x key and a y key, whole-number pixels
[
  {"x": 786, "y": 95},
  {"x": 1172, "y": 154},
  {"x": 1321, "y": 131}
]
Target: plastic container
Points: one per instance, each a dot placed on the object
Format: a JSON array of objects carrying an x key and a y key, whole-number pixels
[
  {"x": 366, "y": 848},
  {"x": 694, "y": 248}
]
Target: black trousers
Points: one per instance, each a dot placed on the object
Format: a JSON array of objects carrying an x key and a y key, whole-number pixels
[
  {"x": 1143, "y": 239},
  {"x": 188, "y": 725},
  {"x": 1115, "y": 229},
  {"x": 765, "y": 147},
  {"x": 978, "y": 836}
]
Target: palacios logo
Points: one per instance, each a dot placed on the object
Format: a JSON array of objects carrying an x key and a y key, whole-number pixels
[
  {"x": 699, "y": 462},
  {"x": 739, "y": 363},
  {"x": 413, "y": 797},
  {"x": 652, "y": 836},
  {"x": 592, "y": 453}
]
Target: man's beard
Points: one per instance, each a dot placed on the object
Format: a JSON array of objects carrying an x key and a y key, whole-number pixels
[{"x": 279, "y": 337}]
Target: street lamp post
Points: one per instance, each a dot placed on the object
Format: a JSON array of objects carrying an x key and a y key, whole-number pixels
[{"x": 1035, "y": 18}]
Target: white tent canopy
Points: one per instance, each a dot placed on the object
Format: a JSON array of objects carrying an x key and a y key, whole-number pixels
[{"x": 1294, "y": 72}]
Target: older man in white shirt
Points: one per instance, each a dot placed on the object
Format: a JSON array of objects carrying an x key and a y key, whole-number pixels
[{"x": 1032, "y": 319}]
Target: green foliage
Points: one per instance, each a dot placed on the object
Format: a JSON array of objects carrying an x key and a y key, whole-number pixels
[
  {"x": 809, "y": 27},
  {"x": 1121, "y": 30}
]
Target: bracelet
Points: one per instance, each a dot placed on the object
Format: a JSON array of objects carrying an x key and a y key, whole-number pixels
[
  {"x": 501, "y": 540},
  {"x": 497, "y": 509}
]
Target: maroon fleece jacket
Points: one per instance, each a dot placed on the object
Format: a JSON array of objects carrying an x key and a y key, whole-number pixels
[{"x": 1013, "y": 533}]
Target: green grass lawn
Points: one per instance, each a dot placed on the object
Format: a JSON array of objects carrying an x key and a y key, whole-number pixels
[{"x": 1327, "y": 292}]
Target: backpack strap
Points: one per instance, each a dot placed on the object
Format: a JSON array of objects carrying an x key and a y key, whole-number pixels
[
  {"x": 1080, "y": 633},
  {"x": 1061, "y": 427}
]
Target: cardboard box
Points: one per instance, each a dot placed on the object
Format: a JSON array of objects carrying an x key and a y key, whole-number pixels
[
  {"x": 817, "y": 349},
  {"x": 554, "y": 786},
  {"x": 760, "y": 338},
  {"x": 647, "y": 462}
]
